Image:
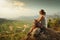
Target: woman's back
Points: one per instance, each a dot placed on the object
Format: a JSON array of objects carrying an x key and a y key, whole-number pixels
[{"x": 43, "y": 21}]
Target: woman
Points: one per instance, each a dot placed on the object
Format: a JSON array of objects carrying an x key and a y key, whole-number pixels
[{"x": 39, "y": 24}]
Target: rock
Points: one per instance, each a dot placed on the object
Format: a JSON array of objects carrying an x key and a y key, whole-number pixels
[{"x": 49, "y": 35}]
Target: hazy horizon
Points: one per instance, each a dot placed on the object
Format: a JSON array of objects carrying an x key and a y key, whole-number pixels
[{"x": 17, "y": 8}]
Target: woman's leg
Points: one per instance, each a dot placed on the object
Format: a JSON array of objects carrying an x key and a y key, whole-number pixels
[{"x": 36, "y": 32}]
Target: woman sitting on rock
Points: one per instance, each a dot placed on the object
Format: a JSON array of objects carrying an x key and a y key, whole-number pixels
[{"x": 39, "y": 24}]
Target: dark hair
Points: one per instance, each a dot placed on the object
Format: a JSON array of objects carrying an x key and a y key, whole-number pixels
[{"x": 42, "y": 12}]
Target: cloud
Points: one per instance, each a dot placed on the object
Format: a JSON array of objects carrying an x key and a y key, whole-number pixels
[
  {"x": 17, "y": 3},
  {"x": 4, "y": 3},
  {"x": 11, "y": 9}
]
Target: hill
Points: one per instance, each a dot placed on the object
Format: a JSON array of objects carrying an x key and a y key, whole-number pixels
[{"x": 49, "y": 35}]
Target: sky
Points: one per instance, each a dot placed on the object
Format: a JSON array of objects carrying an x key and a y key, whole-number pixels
[{"x": 17, "y": 8}]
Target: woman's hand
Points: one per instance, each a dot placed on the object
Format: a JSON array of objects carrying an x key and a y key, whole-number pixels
[{"x": 29, "y": 34}]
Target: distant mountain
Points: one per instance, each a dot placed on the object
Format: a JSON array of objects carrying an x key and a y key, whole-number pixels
[
  {"x": 26, "y": 18},
  {"x": 53, "y": 16},
  {"x": 2, "y": 20},
  {"x": 30, "y": 18}
]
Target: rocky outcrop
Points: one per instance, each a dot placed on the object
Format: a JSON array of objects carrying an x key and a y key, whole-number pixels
[{"x": 49, "y": 35}]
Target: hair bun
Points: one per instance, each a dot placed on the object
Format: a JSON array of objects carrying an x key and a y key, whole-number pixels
[{"x": 42, "y": 12}]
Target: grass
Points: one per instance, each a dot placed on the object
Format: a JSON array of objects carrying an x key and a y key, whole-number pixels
[{"x": 16, "y": 33}]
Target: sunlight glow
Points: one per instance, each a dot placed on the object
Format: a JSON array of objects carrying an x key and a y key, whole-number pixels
[
  {"x": 13, "y": 9},
  {"x": 18, "y": 3}
]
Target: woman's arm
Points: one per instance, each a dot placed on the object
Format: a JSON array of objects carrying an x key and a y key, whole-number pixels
[{"x": 40, "y": 18}]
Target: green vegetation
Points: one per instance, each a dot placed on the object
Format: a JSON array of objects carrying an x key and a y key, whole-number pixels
[
  {"x": 54, "y": 22},
  {"x": 14, "y": 29}
]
